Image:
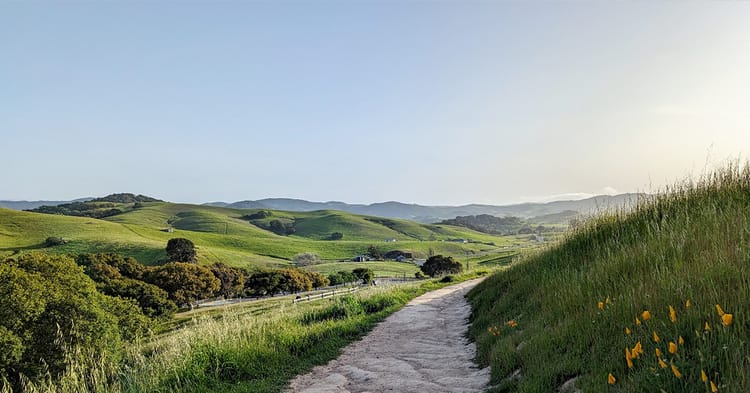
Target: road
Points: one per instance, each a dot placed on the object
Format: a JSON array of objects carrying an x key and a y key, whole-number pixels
[{"x": 421, "y": 348}]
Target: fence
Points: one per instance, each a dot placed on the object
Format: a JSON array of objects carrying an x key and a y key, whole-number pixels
[{"x": 324, "y": 295}]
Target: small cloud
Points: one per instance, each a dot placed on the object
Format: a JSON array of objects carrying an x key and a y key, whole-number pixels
[{"x": 609, "y": 191}]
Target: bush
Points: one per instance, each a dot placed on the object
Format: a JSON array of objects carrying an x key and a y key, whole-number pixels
[
  {"x": 364, "y": 274},
  {"x": 53, "y": 241},
  {"x": 419, "y": 275},
  {"x": 447, "y": 278},
  {"x": 336, "y": 236}
]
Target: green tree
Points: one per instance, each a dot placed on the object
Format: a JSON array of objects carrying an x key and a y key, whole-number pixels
[
  {"x": 295, "y": 280},
  {"x": 232, "y": 279},
  {"x": 374, "y": 253},
  {"x": 318, "y": 280},
  {"x": 364, "y": 274},
  {"x": 185, "y": 282},
  {"x": 438, "y": 265},
  {"x": 336, "y": 236},
  {"x": 152, "y": 300},
  {"x": 181, "y": 250},
  {"x": 49, "y": 310}
]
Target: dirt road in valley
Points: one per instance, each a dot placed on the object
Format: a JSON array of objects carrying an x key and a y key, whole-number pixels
[{"x": 421, "y": 348}]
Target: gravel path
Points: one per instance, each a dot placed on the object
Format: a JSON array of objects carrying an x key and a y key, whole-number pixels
[{"x": 421, "y": 348}]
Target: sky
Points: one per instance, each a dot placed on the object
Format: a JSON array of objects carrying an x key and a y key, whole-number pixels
[{"x": 430, "y": 102}]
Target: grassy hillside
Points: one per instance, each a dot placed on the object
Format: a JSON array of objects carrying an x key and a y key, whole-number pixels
[
  {"x": 227, "y": 235},
  {"x": 583, "y": 306}
]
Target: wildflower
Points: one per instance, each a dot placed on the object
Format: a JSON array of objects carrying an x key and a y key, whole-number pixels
[
  {"x": 637, "y": 350},
  {"x": 646, "y": 315},
  {"x": 672, "y": 348},
  {"x": 688, "y": 304},
  {"x": 627, "y": 331},
  {"x": 611, "y": 379},
  {"x": 637, "y": 321},
  {"x": 608, "y": 301},
  {"x": 704, "y": 377},
  {"x": 662, "y": 364},
  {"x": 727, "y": 319},
  {"x": 628, "y": 357},
  {"x": 714, "y": 389},
  {"x": 512, "y": 323},
  {"x": 656, "y": 337},
  {"x": 672, "y": 314},
  {"x": 719, "y": 310},
  {"x": 676, "y": 372},
  {"x": 600, "y": 305},
  {"x": 680, "y": 340},
  {"x": 658, "y": 352},
  {"x": 707, "y": 327}
]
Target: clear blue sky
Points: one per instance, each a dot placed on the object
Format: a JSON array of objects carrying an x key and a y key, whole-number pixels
[{"x": 426, "y": 102}]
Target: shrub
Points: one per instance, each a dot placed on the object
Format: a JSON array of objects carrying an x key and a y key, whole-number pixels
[
  {"x": 53, "y": 241},
  {"x": 306, "y": 259}
]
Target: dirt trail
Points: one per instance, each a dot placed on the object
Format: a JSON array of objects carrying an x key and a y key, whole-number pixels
[{"x": 421, "y": 348}]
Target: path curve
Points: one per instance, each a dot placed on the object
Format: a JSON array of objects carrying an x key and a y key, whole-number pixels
[{"x": 420, "y": 348}]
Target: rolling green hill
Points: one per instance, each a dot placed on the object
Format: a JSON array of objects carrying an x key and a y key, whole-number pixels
[
  {"x": 229, "y": 236},
  {"x": 630, "y": 302}
]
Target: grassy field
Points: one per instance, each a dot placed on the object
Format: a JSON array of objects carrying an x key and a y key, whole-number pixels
[
  {"x": 223, "y": 235},
  {"x": 253, "y": 347},
  {"x": 648, "y": 301}
]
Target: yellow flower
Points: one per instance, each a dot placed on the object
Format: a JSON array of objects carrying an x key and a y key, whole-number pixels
[
  {"x": 658, "y": 352},
  {"x": 680, "y": 340},
  {"x": 714, "y": 389},
  {"x": 719, "y": 310},
  {"x": 676, "y": 372},
  {"x": 600, "y": 305},
  {"x": 646, "y": 315},
  {"x": 704, "y": 377},
  {"x": 628, "y": 358},
  {"x": 611, "y": 379},
  {"x": 637, "y": 350},
  {"x": 637, "y": 321},
  {"x": 727, "y": 319},
  {"x": 707, "y": 327},
  {"x": 656, "y": 337},
  {"x": 662, "y": 364},
  {"x": 687, "y": 303},
  {"x": 672, "y": 314},
  {"x": 608, "y": 301},
  {"x": 627, "y": 331},
  {"x": 672, "y": 348}
]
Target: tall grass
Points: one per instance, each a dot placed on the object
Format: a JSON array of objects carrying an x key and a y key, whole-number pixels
[
  {"x": 239, "y": 351},
  {"x": 691, "y": 242}
]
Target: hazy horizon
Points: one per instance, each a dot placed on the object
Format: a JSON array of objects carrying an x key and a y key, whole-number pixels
[{"x": 435, "y": 103}]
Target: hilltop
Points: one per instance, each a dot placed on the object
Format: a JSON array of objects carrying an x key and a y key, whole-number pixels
[
  {"x": 642, "y": 301},
  {"x": 429, "y": 214}
]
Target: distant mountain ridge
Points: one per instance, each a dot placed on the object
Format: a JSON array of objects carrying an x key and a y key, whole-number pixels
[
  {"x": 429, "y": 214},
  {"x": 27, "y": 205}
]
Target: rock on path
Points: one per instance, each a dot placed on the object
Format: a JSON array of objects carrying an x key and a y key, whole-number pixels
[{"x": 420, "y": 348}]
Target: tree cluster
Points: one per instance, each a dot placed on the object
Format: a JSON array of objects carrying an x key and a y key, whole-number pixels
[{"x": 49, "y": 309}]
